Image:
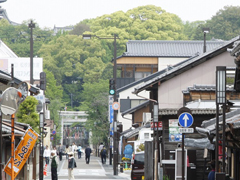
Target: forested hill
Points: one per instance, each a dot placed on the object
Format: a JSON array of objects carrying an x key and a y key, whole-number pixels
[{"x": 78, "y": 70}]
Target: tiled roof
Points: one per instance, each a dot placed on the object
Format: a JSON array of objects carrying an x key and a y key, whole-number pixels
[
  {"x": 6, "y": 77},
  {"x": 131, "y": 110},
  {"x": 196, "y": 87},
  {"x": 186, "y": 65},
  {"x": 168, "y": 48}
]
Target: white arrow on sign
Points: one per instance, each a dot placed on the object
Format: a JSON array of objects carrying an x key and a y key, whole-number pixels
[{"x": 185, "y": 118}]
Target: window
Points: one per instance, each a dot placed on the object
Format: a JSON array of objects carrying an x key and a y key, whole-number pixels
[
  {"x": 136, "y": 102},
  {"x": 146, "y": 135},
  {"x": 140, "y": 75}
]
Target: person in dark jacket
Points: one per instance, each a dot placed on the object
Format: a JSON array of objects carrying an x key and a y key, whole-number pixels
[
  {"x": 103, "y": 155},
  {"x": 71, "y": 165},
  {"x": 54, "y": 165},
  {"x": 211, "y": 175},
  {"x": 88, "y": 152}
]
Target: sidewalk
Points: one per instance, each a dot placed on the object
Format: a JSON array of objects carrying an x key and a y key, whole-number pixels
[{"x": 109, "y": 169}]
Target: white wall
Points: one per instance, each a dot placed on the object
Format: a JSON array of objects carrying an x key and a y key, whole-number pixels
[
  {"x": 170, "y": 92},
  {"x": 124, "y": 95},
  {"x": 164, "y": 62}
]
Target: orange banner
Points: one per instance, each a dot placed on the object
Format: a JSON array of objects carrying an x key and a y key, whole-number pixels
[{"x": 22, "y": 152}]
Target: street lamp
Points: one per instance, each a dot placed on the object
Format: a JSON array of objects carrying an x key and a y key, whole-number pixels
[
  {"x": 220, "y": 100},
  {"x": 205, "y": 31},
  {"x": 115, "y": 145}
]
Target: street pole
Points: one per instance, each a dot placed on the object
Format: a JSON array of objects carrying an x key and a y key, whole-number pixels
[
  {"x": 115, "y": 141},
  {"x": 115, "y": 144},
  {"x": 12, "y": 133},
  {"x": 31, "y": 26},
  {"x": 1, "y": 141},
  {"x": 41, "y": 117}
]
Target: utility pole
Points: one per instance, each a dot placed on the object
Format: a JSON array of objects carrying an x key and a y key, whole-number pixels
[{"x": 31, "y": 25}]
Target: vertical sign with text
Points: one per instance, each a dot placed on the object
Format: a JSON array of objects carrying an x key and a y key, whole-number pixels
[
  {"x": 111, "y": 113},
  {"x": 22, "y": 152}
]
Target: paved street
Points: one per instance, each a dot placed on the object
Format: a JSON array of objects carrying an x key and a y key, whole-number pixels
[{"x": 92, "y": 171}]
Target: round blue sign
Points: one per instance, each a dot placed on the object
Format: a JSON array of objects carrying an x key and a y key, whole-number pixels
[
  {"x": 185, "y": 120},
  {"x": 53, "y": 132}
]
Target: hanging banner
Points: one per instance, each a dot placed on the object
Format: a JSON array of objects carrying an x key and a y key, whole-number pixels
[{"x": 22, "y": 152}]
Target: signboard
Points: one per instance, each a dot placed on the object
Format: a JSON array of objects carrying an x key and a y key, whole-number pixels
[
  {"x": 158, "y": 126},
  {"x": 174, "y": 134},
  {"x": 22, "y": 152},
  {"x": 22, "y": 67},
  {"x": 185, "y": 119},
  {"x": 116, "y": 105},
  {"x": 186, "y": 130},
  {"x": 53, "y": 132}
]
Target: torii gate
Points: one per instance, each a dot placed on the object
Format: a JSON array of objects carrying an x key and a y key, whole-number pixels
[{"x": 70, "y": 117}]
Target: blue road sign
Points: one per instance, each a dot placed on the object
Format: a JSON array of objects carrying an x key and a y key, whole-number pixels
[
  {"x": 185, "y": 120},
  {"x": 53, "y": 132},
  {"x": 111, "y": 113}
]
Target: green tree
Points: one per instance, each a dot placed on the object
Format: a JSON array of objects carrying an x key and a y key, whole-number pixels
[
  {"x": 96, "y": 103},
  {"x": 79, "y": 29},
  {"x": 225, "y": 24},
  {"x": 27, "y": 113}
]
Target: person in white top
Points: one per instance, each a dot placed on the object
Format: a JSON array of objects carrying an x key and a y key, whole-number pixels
[
  {"x": 46, "y": 154},
  {"x": 100, "y": 148},
  {"x": 74, "y": 148}
]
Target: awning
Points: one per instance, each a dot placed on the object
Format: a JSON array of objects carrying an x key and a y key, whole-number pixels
[
  {"x": 199, "y": 143},
  {"x": 135, "y": 131},
  {"x": 5, "y": 78}
]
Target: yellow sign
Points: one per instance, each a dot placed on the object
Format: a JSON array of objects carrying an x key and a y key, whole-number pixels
[{"x": 22, "y": 152}]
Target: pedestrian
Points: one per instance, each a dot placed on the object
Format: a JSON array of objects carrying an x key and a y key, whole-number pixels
[
  {"x": 60, "y": 151},
  {"x": 103, "y": 155},
  {"x": 71, "y": 164},
  {"x": 79, "y": 150},
  {"x": 46, "y": 154},
  {"x": 54, "y": 165},
  {"x": 88, "y": 152},
  {"x": 74, "y": 149},
  {"x": 211, "y": 175},
  {"x": 100, "y": 148},
  {"x": 67, "y": 151}
]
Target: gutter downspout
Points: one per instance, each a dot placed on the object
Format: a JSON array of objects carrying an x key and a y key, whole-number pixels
[{"x": 156, "y": 140}]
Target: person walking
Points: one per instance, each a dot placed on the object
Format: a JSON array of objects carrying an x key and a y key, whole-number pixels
[
  {"x": 88, "y": 152},
  {"x": 54, "y": 165},
  {"x": 46, "y": 154},
  {"x": 60, "y": 151},
  {"x": 103, "y": 155},
  {"x": 100, "y": 148},
  {"x": 74, "y": 149},
  {"x": 71, "y": 164},
  {"x": 67, "y": 151},
  {"x": 79, "y": 150}
]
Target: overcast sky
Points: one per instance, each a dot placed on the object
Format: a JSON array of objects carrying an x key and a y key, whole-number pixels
[{"x": 48, "y": 13}]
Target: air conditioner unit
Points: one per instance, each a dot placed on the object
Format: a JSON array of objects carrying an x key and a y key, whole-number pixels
[
  {"x": 47, "y": 114},
  {"x": 146, "y": 117}
]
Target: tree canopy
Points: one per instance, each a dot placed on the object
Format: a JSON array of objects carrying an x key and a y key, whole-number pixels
[{"x": 78, "y": 70}]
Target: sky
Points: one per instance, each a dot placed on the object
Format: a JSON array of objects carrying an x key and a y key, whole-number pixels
[{"x": 60, "y": 13}]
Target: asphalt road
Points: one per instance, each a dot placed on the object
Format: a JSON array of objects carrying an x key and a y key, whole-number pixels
[{"x": 92, "y": 171}]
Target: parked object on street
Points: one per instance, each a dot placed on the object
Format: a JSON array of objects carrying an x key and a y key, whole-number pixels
[{"x": 137, "y": 172}]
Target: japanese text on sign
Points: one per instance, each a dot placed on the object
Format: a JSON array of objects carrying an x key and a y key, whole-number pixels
[{"x": 22, "y": 152}]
